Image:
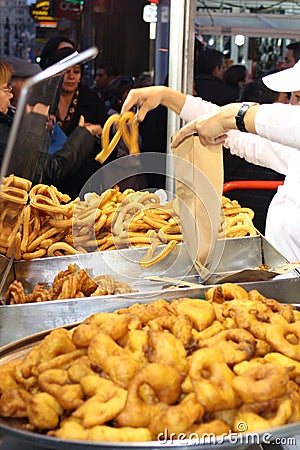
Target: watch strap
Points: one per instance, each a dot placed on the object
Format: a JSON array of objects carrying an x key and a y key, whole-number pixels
[{"x": 239, "y": 118}]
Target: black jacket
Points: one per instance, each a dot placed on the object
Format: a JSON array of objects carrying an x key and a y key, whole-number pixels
[
  {"x": 90, "y": 106},
  {"x": 51, "y": 169},
  {"x": 5, "y": 124},
  {"x": 214, "y": 90}
]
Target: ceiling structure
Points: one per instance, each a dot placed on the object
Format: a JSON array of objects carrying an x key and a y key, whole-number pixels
[{"x": 251, "y": 18}]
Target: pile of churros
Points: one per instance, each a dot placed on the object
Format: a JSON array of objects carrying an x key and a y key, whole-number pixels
[
  {"x": 236, "y": 221},
  {"x": 39, "y": 221}
]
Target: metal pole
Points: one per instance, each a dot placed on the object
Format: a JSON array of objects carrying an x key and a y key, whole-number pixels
[
  {"x": 88, "y": 39},
  {"x": 181, "y": 64}
]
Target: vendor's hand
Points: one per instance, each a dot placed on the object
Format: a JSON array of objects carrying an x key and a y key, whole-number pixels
[
  {"x": 209, "y": 128},
  {"x": 146, "y": 98}
]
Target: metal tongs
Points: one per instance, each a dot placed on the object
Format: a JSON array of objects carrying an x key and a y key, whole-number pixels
[
  {"x": 259, "y": 274},
  {"x": 173, "y": 281}
]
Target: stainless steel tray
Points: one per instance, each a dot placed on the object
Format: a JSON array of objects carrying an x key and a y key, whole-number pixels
[
  {"x": 15, "y": 427},
  {"x": 18, "y": 321},
  {"x": 230, "y": 255}
]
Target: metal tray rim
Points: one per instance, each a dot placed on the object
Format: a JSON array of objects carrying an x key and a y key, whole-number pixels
[{"x": 242, "y": 440}]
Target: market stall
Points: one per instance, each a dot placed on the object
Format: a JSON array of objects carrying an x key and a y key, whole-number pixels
[{"x": 22, "y": 320}]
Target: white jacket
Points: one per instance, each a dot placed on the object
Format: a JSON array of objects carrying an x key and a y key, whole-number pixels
[{"x": 283, "y": 218}]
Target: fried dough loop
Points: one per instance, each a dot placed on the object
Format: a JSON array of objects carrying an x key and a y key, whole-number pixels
[
  {"x": 187, "y": 366},
  {"x": 126, "y": 127}
]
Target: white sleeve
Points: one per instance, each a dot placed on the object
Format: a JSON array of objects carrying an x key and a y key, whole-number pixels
[
  {"x": 279, "y": 123},
  {"x": 260, "y": 151},
  {"x": 254, "y": 149},
  {"x": 195, "y": 107}
]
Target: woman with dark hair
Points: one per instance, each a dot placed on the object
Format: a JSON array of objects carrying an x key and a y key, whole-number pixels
[
  {"x": 51, "y": 46},
  {"x": 76, "y": 100}
]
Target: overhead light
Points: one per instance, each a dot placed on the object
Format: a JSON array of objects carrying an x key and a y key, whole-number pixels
[{"x": 239, "y": 40}]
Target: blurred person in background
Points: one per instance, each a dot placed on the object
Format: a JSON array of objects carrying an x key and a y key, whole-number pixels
[
  {"x": 209, "y": 82},
  {"x": 106, "y": 73},
  {"x": 292, "y": 55},
  {"x": 22, "y": 70},
  {"x": 145, "y": 79},
  {"x": 76, "y": 98},
  {"x": 235, "y": 77}
]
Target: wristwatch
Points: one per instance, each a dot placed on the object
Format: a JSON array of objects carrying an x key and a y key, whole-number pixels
[{"x": 239, "y": 118}]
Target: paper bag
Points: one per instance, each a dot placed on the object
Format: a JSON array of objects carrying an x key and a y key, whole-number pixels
[{"x": 199, "y": 183}]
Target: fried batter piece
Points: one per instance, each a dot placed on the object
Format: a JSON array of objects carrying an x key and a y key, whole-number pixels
[
  {"x": 57, "y": 383},
  {"x": 71, "y": 429},
  {"x": 164, "y": 380},
  {"x": 100, "y": 408},
  {"x": 163, "y": 368},
  {"x": 44, "y": 411},
  {"x": 178, "y": 418},
  {"x": 199, "y": 312},
  {"x": 13, "y": 403},
  {"x": 70, "y": 283},
  {"x": 114, "y": 360},
  {"x": 164, "y": 346}
]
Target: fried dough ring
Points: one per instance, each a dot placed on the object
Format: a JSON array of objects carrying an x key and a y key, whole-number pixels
[
  {"x": 278, "y": 412},
  {"x": 225, "y": 292},
  {"x": 236, "y": 345},
  {"x": 261, "y": 383},
  {"x": 212, "y": 380},
  {"x": 276, "y": 336}
]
